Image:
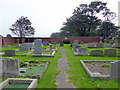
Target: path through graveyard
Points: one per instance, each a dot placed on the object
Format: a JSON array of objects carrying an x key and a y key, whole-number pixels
[{"x": 62, "y": 80}]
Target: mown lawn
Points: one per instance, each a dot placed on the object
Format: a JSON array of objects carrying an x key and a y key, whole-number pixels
[
  {"x": 79, "y": 77},
  {"x": 77, "y": 74},
  {"x": 8, "y": 48},
  {"x": 48, "y": 79}
]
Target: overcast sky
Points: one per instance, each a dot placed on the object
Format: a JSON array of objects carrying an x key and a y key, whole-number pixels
[{"x": 47, "y": 16}]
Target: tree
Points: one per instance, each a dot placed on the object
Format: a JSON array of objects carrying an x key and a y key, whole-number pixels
[
  {"x": 80, "y": 24},
  {"x": 57, "y": 34},
  {"x": 1, "y": 36},
  {"x": 85, "y": 21},
  {"x": 108, "y": 28},
  {"x": 8, "y": 35},
  {"x": 91, "y": 11},
  {"x": 22, "y": 27}
]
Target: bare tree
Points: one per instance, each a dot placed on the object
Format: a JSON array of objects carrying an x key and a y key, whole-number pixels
[{"x": 22, "y": 27}]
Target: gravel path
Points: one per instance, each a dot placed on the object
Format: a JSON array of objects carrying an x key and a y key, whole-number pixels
[{"x": 62, "y": 80}]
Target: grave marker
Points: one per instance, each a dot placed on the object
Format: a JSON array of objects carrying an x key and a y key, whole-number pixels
[
  {"x": 26, "y": 46},
  {"x": 9, "y": 52},
  {"x": 115, "y": 70},
  {"x": 99, "y": 45},
  {"x": 110, "y": 52},
  {"x": 82, "y": 51},
  {"x": 91, "y": 45},
  {"x": 10, "y": 67},
  {"x": 61, "y": 43},
  {"x": 96, "y": 53},
  {"x": 38, "y": 46}
]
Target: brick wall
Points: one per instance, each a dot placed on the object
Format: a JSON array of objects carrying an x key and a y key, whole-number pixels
[{"x": 6, "y": 40}]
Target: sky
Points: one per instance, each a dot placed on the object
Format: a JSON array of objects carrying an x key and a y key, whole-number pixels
[{"x": 47, "y": 16}]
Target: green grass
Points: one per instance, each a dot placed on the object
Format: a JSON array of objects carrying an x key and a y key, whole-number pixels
[
  {"x": 77, "y": 74},
  {"x": 49, "y": 77},
  {"x": 8, "y": 48},
  {"x": 24, "y": 52},
  {"x": 79, "y": 77}
]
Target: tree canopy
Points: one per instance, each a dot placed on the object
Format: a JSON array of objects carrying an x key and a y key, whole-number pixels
[
  {"x": 22, "y": 27},
  {"x": 86, "y": 21},
  {"x": 8, "y": 35}
]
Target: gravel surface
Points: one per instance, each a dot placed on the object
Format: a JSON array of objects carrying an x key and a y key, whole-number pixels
[
  {"x": 62, "y": 77},
  {"x": 98, "y": 67}
]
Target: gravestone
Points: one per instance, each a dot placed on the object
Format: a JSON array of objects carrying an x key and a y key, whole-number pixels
[
  {"x": 31, "y": 45},
  {"x": 96, "y": 53},
  {"x": 17, "y": 45},
  {"x": 76, "y": 41},
  {"x": 26, "y": 46},
  {"x": 82, "y": 42},
  {"x": 38, "y": 47},
  {"x": 50, "y": 47},
  {"x": 108, "y": 46},
  {"x": 91, "y": 45},
  {"x": 61, "y": 43},
  {"x": 45, "y": 43},
  {"x": 82, "y": 51},
  {"x": 10, "y": 67},
  {"x": 75, "y": 44},
  {"x": 54, "y": 46},
  {"x": 110, "y": 52},
  {"x": 71, "y": 42},
  {"x": 115, "y": 45},
  {"x": 4, "y": 45},
  {"x": 9, "y": 52},
  {"x": 75, "y": 49},
  {"x": 99, "y": 45},
  {"x": 115, "y": 70}
]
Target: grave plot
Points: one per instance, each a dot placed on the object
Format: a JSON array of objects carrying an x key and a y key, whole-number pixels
[
  {"x": 16, "y": 53},
  {"x": 49, "y": 51},
  {"x": 91, "y": 45},
  {"x": 81, "y": 51},
  {"x": 11, "y": 47},
  {"x": 105, "y": 69},
  {"x": 33, "y": 69},
  {"x": 39, "y": 51},
  {"x": 26, "y": 46},
  {"x": 24, "y": 53},
  {"x": 21, "y": 83}
]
